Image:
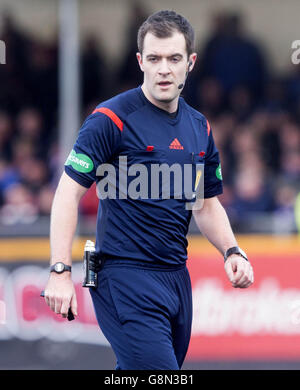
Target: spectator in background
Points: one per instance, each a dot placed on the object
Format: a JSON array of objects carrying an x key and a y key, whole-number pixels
[
  {"x": 19, "y": 205},
  {"x": 94, "y": 73},
  {"x": 274, "y": 95},
  {"x": 232, "y": 58},
  {"x": 23, "y": 172},
  {"x": 22, "y": 150},
  {"x": 290, "y": 137},
  {"x": 29, "y": 76},
  {"x": 34, "y": 174},
  {"x": 210, "y": 97},
  {"x": 8, "y": 176},
  {"x": 41, "y": 79},
  {"x": 129, "y": 75},
  {"x": 290, "y": 145},
  {"x": 6, "y": 132},
  {"x": 292, "y": 84},
  {"x": 268, "y": 128},
  {"x": 291, "y": 165},
  {"x": 241, "y": 103},
  {"x": 252, "y": 193},
  {"x": 30, "y": 129},
  {"x": 283, "y": 216},
  {"x": 244, "y": 145},
  {"x": 223, "y": 127},
  {"x": 14, "y": 92},
  {"x": 192, "y": 94},
  {"x": 296, "y": 110}
]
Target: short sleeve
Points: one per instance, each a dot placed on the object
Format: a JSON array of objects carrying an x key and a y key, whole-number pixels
[
  {"x": 97, "y": 142},
  {"x": 213, "y": 184}
]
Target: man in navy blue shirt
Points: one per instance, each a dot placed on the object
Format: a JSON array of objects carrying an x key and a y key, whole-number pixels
[{"x": 143, "y": 148}]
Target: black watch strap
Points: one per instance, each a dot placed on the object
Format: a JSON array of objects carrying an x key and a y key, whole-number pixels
[
  {"x": 235, "y": 250},
  {"x": 60, "y": 267}
]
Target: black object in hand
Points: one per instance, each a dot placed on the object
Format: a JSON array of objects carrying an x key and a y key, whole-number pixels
[{"x": 70, "y": 314}]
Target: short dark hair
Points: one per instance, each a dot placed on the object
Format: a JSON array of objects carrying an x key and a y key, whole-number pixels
[{"x": 163, "y": 24}]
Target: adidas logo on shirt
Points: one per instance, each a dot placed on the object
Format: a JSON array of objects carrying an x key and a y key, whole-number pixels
[{"x": 175, "y": 144}]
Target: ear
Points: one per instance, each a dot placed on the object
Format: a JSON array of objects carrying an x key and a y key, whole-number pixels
[
  {"x": 192, "y": 60},
  {"x": 140, "y": 61}
]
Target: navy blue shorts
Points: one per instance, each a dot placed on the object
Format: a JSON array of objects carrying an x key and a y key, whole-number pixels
[{"x": 145, "y": 314}]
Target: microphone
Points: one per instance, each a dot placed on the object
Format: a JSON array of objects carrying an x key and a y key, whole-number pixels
[{"x": 180, "y": 86}]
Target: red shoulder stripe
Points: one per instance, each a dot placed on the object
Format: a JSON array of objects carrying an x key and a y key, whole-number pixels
[
  {"x": 208, "y": 127},
  {"x": 117, "y": 121}
]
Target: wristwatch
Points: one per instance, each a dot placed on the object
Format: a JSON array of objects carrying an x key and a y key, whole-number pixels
[
  {"x": 60, "y": 267},
  {"x": 235, "y": 250}
]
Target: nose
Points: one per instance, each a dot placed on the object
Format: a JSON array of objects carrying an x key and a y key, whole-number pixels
[{"x": 164, "y": 67}]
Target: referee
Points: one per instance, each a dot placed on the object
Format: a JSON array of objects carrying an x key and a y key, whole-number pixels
[{"x": 143, "y": 302}]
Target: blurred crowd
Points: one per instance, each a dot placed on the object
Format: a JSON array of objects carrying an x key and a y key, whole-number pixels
[{"x": 254, "y": 114}]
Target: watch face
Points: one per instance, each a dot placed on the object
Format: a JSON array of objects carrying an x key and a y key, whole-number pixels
[{"x": 59, "y": 267}]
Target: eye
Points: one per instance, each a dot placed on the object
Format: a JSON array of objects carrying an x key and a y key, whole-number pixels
[
  {"x": 152, "y": 59},
  {"x": 175, "y": 59}
]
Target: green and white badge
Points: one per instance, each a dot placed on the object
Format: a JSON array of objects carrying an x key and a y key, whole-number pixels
[
  {"x": 80, "y": 162},
  {"x": 219, "y": 172}
]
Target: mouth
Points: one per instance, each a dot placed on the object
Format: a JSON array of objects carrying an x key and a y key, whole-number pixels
[{"x": 164, "y": 84}]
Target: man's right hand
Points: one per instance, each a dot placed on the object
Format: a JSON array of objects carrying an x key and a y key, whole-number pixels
[{"x": 60, "y": 294}]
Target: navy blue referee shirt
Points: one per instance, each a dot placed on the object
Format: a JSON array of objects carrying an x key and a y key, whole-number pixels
[{"x": 145, "y": 228}]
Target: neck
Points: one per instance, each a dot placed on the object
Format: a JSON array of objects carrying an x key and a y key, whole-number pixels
[{"x": 167, "y": 106}]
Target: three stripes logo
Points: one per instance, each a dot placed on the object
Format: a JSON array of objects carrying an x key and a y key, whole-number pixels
[{"x": 175, "y": 144}]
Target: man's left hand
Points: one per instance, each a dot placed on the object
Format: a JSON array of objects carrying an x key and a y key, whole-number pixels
[{"x": 239, "y": 271}]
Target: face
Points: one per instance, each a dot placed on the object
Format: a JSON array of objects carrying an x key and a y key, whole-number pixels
[{"x": 164, "y": 62}]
